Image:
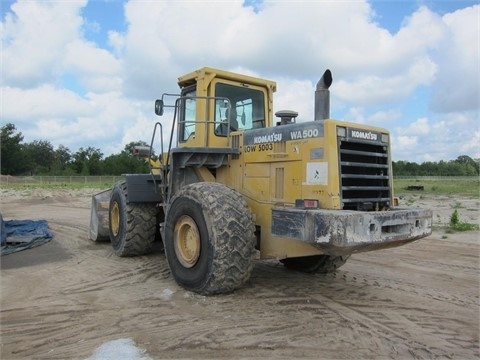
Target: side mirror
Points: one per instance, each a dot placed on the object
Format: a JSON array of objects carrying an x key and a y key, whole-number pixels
[
  {"x": 159, "y": 107},
  {"x": 141, "y": 151}
]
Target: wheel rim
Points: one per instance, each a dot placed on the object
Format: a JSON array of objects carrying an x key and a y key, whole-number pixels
[
  {"x": 187, "y": 241},
  {"x": 115, "y": 219}
]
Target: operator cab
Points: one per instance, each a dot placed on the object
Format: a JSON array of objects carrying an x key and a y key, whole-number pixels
[{"x": 214, "y": 103}]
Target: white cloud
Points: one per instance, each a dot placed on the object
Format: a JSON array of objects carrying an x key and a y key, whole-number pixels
[
  {"x": 21, "y": 105},
  {"x": 458, "y": 83},
  {"x": 450, "y": 136},
  {"x": 34, "y": 38},
  {"x": 376, "y": 73},
  {"x": 97, "y": 69},
  {"x": 296, "y": 95},
  {"x": 418, "y": 127},
  {"x": 472, "y": 145},
  {"x": 376, "y": 90},
  {"x": 406, "y": 141},
  {"x": 422, "y": 31},
  {"x": 383, "y": 118}
]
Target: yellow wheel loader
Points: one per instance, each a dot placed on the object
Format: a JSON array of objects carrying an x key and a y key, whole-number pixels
[{"x": 235, "y": 180}]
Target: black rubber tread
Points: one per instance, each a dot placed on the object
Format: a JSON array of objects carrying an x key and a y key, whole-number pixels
[
  {"x": 138, "y": 224},
  {"x": 227, "y": 238},
  {"x": 318, "y": 264}
]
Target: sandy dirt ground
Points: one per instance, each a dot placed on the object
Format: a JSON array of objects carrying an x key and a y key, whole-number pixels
[{"x": 64, "y": 299}]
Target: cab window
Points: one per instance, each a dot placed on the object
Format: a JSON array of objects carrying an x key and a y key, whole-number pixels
[
  {"x": 188, "y": 105},
  {"x": 238, "y": 108}
]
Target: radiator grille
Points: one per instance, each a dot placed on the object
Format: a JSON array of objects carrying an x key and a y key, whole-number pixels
[{"x": 364, "y": 175}]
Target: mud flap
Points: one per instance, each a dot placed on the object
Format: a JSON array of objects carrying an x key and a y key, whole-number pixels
[{"x": 99, "y": 228}]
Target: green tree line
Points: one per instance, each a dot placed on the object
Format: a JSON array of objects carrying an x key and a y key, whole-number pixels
[
  {"x": 462, "y": 166},
  {"x": 40, "y": 158}
]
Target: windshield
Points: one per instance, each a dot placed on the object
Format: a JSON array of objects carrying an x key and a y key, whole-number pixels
[
  {"x": 236, "y": 108},
  {"x": 244, "y": 109}
]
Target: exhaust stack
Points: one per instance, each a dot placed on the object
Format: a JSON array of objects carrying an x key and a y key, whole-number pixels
[{"x": 322, "y": 96}]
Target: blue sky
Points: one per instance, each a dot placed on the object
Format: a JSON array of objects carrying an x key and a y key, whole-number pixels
[
  {"x": 391, "y": 13},
  {"x": 85, "y": 73}
]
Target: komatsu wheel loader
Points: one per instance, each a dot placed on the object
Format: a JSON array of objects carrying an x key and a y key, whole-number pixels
[{"x": 234, "y": 181}]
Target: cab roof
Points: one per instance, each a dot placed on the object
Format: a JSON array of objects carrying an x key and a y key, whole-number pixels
[{"x": 209, "y": 72}]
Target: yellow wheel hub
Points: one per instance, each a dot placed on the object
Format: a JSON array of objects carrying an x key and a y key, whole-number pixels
[
  {"x": 115, "y": 219},
  {"x": 187, "y": 241}
]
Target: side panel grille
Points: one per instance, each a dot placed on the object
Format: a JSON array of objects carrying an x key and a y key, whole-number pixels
[
  {"x": 279, "y": 182},
  {"x": 235, "y": 145},
  {"x": 364, "y": 175}
]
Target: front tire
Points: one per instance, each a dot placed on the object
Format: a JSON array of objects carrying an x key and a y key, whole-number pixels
[
  {"x": 209, "y": 239},
  {"x": 317, "y": 264},
  {"x": 132, "y": 226}
]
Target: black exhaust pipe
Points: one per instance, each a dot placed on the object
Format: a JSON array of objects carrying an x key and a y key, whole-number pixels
[{"x": 322, "y": 96}]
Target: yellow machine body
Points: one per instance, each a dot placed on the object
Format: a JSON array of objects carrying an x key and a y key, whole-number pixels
[
  {"x": 277, "y": 165},
  {"x": 235, "y": 178}
]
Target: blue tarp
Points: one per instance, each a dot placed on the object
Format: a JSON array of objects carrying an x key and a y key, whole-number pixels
[
  {"x": 24, "y": 234},
  {"x": 3, "y": 235}
]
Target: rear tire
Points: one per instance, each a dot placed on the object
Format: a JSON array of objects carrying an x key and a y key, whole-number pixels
[
  {"x": 318, "y": 264},
  {"x": 132, "y": 226},
  {"x": 209, "y": 239}
]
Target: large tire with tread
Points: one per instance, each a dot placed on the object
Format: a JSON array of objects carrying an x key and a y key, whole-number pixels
[
  {"x": 132, "y": 226},
  {"x": 209, "y": 238},
  {"x": 317, "y": 264}
]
